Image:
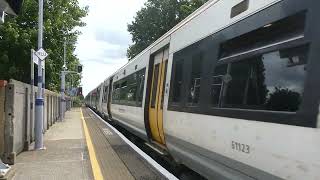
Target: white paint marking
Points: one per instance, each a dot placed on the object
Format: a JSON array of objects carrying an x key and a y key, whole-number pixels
[
  {"x": 82, "y": 156},
  {"x": 157, "y": 166},
  {"x": 107, "y": 132}
]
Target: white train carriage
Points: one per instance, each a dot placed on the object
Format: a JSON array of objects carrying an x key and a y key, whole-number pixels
[
  {"x": 94, "y": 98},
  {"x": 230, "y": 92},
  {"x": 88, "y": 99},
  {"x": 106, "y": 98},
  {"x": 127, "y": 104},
  {"x": 99, "y": 98}
]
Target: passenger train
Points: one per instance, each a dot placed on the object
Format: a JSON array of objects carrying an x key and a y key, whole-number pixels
[{"x": 231, "y": 92}]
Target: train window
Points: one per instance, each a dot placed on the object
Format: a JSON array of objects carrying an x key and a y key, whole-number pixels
[
  {"x": 155, "y": 86},
  {"x": 217, "y": 82},
  {"x": 123, "y": 92},
  {"x": 177, "y": 82},
  {"x": 283, "y": 30},
  {"x": 272, "y": 81},
  {"x": 164, "y": 83},
  {"x": 116, "y": 92},
  {"x": 132, "y": 89},
  {"x": 129, "y": 90},
  {"x": 239, "y": 8},
  {"x": 97, "y": 96},
  {"x": 105, "y": 94},
  {"x": 194, "y": 88},
  {"x": 124, "y": 84},
  {"x": 141, "y": 77}
]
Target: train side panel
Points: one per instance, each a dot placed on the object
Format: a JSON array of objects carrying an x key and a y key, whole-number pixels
[
  {"x": 214, "y": 141},
  {"x": 100, "y": 98},
  {"x": 223, "y": 142},
  {"x": 215, "y": 18},
  {"x": 131, "y": 117},
  {"x": 286, "y": 151},
  {"x": 105, "y": 100}
]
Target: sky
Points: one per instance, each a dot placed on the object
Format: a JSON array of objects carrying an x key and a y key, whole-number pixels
[{"x": 104, "y": 40}]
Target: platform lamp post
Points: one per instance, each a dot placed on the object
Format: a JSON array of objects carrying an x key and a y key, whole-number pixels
[
  {"x": 63, "y": 79},
  {"x": 62, "y": 102},
  {"x": 39, "y": 104},
  {"x": 63, "y": 83},
  {"x": 64, "y": 72}
]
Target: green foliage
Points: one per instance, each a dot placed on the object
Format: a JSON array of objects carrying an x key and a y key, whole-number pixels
[
  {"x": 19, "y": 35},
  {"x": 78, "y": 101},
  {"x": 284, "y": 99},
  {"x": 157, "y": 18}
]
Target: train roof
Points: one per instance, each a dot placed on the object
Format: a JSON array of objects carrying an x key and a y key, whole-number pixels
[{"x": 167, "y": 34}]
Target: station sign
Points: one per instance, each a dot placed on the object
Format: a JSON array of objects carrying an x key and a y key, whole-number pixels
[
  {"x": 35, "y": 59},
  {"x": 41, "y": 54}
]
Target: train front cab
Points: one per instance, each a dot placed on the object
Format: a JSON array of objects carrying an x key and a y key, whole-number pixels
[{"x": 244, "y": 101}]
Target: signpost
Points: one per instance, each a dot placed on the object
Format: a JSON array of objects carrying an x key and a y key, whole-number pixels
[
  {"x": 41, "y": 54},
  {"x": 34, "y": 60},
  {"x": 39, "y": 101}
]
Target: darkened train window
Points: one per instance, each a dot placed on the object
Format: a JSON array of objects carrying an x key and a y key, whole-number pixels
[
  {"x": 219, "y": 76},
  {"x": 141, "y": 77},
  {"x": 123, "y": 92},
  {"x": 272, "y": 81},
  {"x": 105, "y": 94},
  {"x": 177, "y": 82},
  {"x": 96, "y": 97},
  {"x": 132, "y": 89},
  {"x": 155, "y": 86},
  {"x": 129, "y": 90},
  {"x": 194, "y": 88},
  {"x": 239, "y": 8},
  {"x": 116, "y": 92},
  {"x": 164, "y": 83},
  {"x": 283, "y": 30}
]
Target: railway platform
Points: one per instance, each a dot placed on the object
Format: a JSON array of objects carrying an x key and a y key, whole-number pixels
[{"x": 84, "y": 147}]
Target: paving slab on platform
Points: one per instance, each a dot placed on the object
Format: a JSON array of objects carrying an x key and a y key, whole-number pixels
[
  {"x": 126, "y": 163},
  {"x": 66, "y": 155},
  {"x": 77, "y": 147}
]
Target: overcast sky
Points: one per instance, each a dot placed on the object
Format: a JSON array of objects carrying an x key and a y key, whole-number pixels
[{"x": 102, "y": 46}]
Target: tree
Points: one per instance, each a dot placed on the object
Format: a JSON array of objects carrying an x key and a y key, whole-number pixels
[
  {"x": 19, "y": 35},
  {"x": 157, "y": 18},
  {"x": 284, "y": 99}
]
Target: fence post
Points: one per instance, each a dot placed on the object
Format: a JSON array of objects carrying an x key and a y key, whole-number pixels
[
  {"x": 27, "y": 120},
  {"x": 9, "y": 155},
  {"x": 2, "y": 114}
]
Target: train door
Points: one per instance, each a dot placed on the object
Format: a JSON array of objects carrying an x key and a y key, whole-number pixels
[
  {"x": 109, "y": 98},
  {"x": 100, "y": 100},
  {"x": 157, "y": 95}
]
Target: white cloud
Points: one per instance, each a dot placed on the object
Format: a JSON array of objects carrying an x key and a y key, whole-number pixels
[{"x": 103, "y": 43}]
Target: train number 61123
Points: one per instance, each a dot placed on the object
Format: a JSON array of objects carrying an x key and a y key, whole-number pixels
[{"x": 240, "y": 147}]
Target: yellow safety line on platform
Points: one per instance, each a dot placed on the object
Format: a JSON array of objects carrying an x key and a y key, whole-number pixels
[{"x": 93, "y": 159}]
